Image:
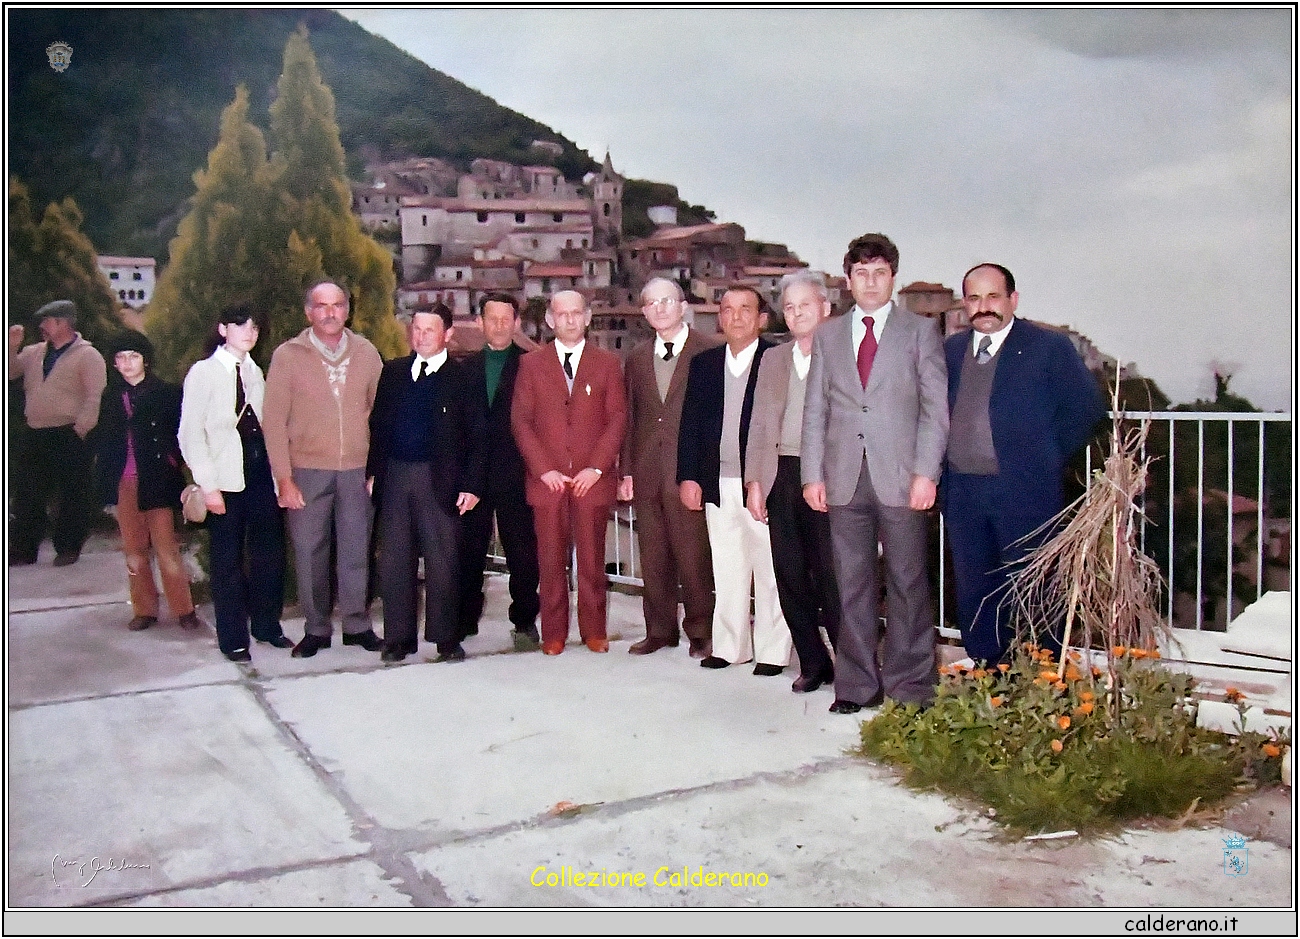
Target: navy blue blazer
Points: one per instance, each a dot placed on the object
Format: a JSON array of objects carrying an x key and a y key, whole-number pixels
[
  {"x": 700, "y": 439},
  {"x": 504, "y": 464},
  {"x": 1044, "y": 406}
]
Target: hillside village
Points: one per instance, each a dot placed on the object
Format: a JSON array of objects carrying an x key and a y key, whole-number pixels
[{"x": 528, "y": 230}]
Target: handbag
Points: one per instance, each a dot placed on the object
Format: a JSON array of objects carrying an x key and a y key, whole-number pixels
[{"x": 193, "y": 506}]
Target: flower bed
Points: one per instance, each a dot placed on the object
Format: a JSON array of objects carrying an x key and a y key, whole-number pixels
[{"x": 1052, "y": 748}]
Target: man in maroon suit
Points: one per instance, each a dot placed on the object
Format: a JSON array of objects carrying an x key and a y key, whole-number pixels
[{"x": 568, "y": 416}]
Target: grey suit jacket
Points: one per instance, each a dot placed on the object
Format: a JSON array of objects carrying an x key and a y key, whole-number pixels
[
  {"x": 765, "y": 427},
  {"x": 899, "y": 421}
]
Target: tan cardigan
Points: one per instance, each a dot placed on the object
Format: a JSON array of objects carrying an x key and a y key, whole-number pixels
[
  {"x": 318, "y": 412},
  {"x": 71, "y": 393}
]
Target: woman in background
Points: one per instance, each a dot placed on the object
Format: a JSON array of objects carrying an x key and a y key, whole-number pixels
[
  {"x": 138, "y": 469},
  {"x": 221, "y": 438}
]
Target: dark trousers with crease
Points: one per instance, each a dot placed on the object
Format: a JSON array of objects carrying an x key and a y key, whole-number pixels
[
  {"x": 519, "y": 541},
  {"x": 59, "y": 466},
  {"x": 804, "y": 563},
  {"x": 413, "y": 525},
  {"x": 247, "y": 556}
]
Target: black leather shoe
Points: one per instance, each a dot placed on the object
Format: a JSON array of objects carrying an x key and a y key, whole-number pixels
[
  {"x": 367, "y": 640},
  {"x": 239, "y": 655},
  {"x": 280, "y": 642},
  {"x": 876, "y": 700},
  {"x": 650, "y": 644},
  {"x": 714, "y": 662},
  {"x": 310, "y": 645},
  {"x": 393, "y": 654},
  {"x": 454, "y": 654},
  {"x": 845, "y": 707},
  {"x": 805, "y": 683},
  {"x": 767, "y": 671},
  {"x": 64, "y": 558},
  {"x": 526, "y": 639},
  {"x": 142, "y": 622}
]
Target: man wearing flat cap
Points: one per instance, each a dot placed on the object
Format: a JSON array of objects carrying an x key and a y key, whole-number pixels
[{"x": 63, "y": 379}]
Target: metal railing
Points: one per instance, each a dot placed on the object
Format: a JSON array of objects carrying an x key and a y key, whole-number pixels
[{"x": 1178, "y": 487}]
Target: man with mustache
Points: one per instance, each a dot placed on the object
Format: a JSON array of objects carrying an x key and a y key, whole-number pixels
[
  {"x": 1021, "y": 402},
  {"x": 319, "y": 392}
]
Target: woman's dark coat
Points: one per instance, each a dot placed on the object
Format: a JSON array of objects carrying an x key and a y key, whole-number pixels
[{"x": 156, "y": 416}]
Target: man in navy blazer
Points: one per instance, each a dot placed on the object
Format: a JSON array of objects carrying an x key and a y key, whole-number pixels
[{"x": 1021, "y": 403}]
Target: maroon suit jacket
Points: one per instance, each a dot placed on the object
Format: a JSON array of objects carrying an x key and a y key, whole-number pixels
[{"x": 556, "y": 430}]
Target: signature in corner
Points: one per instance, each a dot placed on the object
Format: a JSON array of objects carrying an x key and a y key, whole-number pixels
[{"x": 87, "y": 871}]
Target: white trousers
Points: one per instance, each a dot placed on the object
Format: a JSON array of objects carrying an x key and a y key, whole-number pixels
[{"x": 742, "y": 553}]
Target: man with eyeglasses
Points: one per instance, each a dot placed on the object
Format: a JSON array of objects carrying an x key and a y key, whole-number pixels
[{"x": 673, "y": 541}]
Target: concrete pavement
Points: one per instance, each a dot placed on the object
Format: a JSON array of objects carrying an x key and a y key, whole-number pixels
[{"x": 336, "y": 781}]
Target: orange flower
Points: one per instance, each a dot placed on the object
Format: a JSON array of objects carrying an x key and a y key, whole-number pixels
[
  {"x": 1057, "y": 746},
  {"x": 1154, "y": 653},
  {"x": 978, "y": 673},
  {"x": 1086, "y": 696},
  {"x": 1096, "y": 672},
  {"x": 1271, "y": 750},
  {"x": 1004, "y": 667},
  {"x": 1075, "y": 657},
  {"x": 1233, "y": 695},
  {"x": 995, "y": 701},
  {"x": 1072, "y": 673},
  {"x": 1063, "y": 722},
  {"x": 1138, "y": 653},
  {"x": 1060, "y": 686},
  {"x": 1083, "y": 710},
  {"x": 1117, "y": 650},
  {"x": 1049, "y": 674}
]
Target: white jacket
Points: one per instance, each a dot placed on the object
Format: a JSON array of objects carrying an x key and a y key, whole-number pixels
[{"x": 209, "y": 440}]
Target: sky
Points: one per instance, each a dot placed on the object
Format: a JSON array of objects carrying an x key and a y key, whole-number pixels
[{"x": 1133, "y": 168}]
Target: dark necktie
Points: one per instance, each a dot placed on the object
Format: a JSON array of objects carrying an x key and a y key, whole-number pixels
[
  {"x": 240, "y": 400},
  {"x": 983, "y": 355},
  {"x": 568, "y": 366},
  {"x": 867, "y": 351},
  {"x": 668, "y": 351},
  {"x": 424, "y": 370}
]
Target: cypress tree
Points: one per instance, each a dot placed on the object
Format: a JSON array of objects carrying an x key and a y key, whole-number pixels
[{"x": 54, "y": 260}]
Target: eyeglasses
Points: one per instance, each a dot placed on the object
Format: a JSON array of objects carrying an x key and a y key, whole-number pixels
[{"x": 661, "y": 304}]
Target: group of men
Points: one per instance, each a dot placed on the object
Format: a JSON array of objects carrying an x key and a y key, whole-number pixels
[{"x": 786, "y": 476}]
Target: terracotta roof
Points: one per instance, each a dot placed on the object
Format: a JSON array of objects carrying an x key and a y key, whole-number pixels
[{"x": 553, "y": 270}]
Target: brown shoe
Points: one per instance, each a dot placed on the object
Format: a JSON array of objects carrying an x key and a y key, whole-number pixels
[
  {"x": 552, "y": 647},
  {"x": 598, "y": 645},
  {"x": 142, "y": 622},
  {"x": 191, "y": 621},
  {"x": 701, "y": 648},
  {"x": 650, "y": 644}
]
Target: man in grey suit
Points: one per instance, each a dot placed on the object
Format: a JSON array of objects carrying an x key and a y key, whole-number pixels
[{"x": 874, "y": 432}]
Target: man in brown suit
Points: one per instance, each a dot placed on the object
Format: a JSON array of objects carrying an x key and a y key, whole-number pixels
[
  {"x": 673, "y": 540},
  {"x": 568, "y": 414}
]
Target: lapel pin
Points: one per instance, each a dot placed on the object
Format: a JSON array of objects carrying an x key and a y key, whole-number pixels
[{"x": 589, "y": 389}]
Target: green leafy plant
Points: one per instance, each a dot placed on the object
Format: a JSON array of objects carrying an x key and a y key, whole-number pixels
[{"x": 1034, "y": 740}]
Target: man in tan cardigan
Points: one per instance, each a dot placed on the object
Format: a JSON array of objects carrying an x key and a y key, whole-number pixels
[
  {"x": 319, "y": 392},
  {"x": 63, "y": 378}
]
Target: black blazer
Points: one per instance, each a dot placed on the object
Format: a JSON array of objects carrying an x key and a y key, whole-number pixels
[
  {"x": 700, "y": 440},
  {"x": 157, "y": 415},
  {"x": 505, "y": 465},
  {"x": 458, "y": 429}
]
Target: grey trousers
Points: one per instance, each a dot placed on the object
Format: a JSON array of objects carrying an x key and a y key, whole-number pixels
[
  {"x": 338, "y": 509},
  {"x": 902, "y": 665}
]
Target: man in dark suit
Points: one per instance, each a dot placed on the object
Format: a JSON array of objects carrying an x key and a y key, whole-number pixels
[
  {"x": 710, "y": 466},
  {"x": 875, "y": 424},
  {"x": 673, "y": 540},
  {"x": 1022, "y": 403},
  {"x": 426, "y": 470},
  {"x": 568, "y": 416},
  {"x": 494, "y": 370}
]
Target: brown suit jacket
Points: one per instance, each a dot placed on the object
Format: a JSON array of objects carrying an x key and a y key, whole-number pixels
[
  {"x": 768, "y": 422},
  {"x": 650, "y": 447},
  {"x": 569, "y": 433}
]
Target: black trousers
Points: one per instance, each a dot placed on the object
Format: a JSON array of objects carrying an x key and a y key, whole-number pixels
[
  {"x": 247, "y": 556},
  {"x": 805, "y": 568},
  {"x": 413, "y": 525},
  {"x": 519, "y": 540},
  {"x": 58, "y": 467}
]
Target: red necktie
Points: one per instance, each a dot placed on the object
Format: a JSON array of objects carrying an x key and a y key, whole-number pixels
[{"x": 867, "y": 350}]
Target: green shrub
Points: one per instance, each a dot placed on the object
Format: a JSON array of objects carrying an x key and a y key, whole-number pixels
[{"x": 1052, "y": 751}]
